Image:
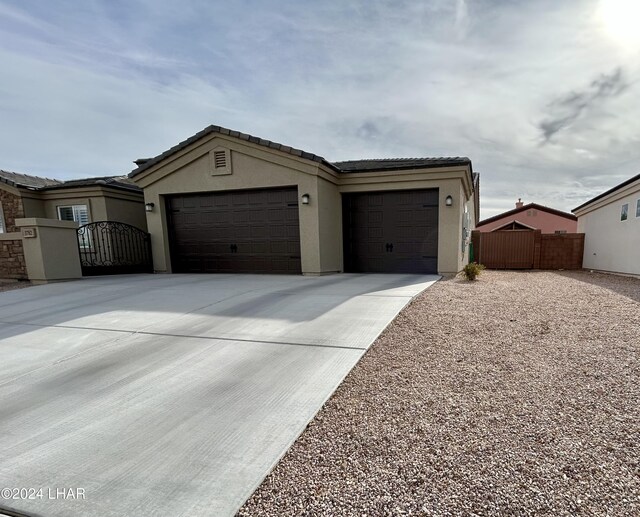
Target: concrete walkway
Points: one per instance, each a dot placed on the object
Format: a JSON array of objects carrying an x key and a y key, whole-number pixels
[{"x": 157, "y": 395}]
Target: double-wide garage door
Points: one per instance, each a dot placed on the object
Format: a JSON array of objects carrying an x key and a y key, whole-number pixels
[
  {"x": 245, "y": 231},
  {"x": 257, "y": 231},
  {"x": 391, "y": 232}
]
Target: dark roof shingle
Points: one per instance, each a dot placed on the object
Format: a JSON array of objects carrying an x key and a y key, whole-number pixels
[
  {"x": 28, "y": 181},
  {"x": 120, "y": 182},
  {"x": 16, "y": 179},
  {"x": 399, "y": 163},
  {"x": 230, "y": 132},
  {"x": 344, "y": 166}
]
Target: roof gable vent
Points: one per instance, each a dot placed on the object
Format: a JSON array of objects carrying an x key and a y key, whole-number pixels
[{"x": 220, "y": 160}]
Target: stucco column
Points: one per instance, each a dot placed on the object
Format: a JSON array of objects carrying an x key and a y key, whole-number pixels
[{"x": 50, "y": 249}]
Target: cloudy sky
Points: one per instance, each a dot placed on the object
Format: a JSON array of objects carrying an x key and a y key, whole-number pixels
[{"x": 542, "y": 95}]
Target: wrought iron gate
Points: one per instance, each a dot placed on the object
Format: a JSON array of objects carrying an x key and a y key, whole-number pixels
[{"x": 112, "y": 248}]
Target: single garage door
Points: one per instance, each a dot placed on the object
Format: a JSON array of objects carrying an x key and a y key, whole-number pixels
[
  {"x": 244, "y": 231},
  {"x": 391, "y": 232}
]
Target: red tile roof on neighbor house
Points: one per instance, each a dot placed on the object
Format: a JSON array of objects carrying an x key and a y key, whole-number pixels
[{"x": 524, "y": 208}]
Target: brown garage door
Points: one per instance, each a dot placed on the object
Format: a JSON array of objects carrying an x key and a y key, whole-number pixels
[
  {"x": 391, "y": 232},
  {"x": 244, "y": 231}
]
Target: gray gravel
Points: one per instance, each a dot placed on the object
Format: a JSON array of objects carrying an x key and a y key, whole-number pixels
[
  {"x": 10, "y": 285},
  {"x": 518, "y": 394}
]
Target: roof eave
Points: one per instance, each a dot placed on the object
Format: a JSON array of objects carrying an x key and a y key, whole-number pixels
[{"x": 606, "y": 193}]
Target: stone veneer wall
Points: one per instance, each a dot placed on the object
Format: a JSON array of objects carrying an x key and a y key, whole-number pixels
[
  {"x": 12, "y": 264},
  {"x": 12, "y": 260}
]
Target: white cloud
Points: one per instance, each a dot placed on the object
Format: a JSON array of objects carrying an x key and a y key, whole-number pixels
[{"x": 89, "y": 87}]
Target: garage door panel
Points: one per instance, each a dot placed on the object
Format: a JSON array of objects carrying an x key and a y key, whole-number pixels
[
  {"x": 292, "y": 232},
  {"x": 291, "y": 216},
  {"x": 374, "y": 233},
  {"x": 222, "y": 217},
  {"x": 242, "y": 231},
  {"x": 221, "y": 200},
  {"x": 407, "y": 221}
]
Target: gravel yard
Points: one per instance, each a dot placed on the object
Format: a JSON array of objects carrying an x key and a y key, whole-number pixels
[
  {"x": 11, "y": 285},
  {"x": 518, "y": 394}
]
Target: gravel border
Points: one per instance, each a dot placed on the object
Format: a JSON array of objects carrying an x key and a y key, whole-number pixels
[
  {"x": 13, "y": 285},
  {"x": 517, "y": 394}
]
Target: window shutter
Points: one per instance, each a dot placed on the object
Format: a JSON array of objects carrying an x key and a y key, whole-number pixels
[{"x": 81, "y": 215}]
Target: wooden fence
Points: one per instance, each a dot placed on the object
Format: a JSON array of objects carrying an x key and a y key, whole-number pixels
[{"x": 528, "y": 249}]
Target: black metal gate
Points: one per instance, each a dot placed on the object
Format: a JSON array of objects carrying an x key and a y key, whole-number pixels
[{"x": 112, "y": 248}]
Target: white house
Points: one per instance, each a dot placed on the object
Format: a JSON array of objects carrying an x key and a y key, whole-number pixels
[{"x": 611, "y": 224}]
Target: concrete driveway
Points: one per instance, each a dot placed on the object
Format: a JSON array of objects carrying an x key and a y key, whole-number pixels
[{"x": 157, "y": 395}]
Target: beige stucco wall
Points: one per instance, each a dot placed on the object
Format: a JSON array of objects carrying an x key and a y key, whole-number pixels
[
  {"x": 611, "y": 244},
  {"x": 51, "y": 253},
  {"x": 126, "y": 209},
  {"x": 32, "y": 207},
  {"x": 253, "y": 166},
  {"x": 96, "y": 205},
  {"x": 449, "y": 181},
  {"x": 102, "y": 204},
  {"x": 329, "y": 206}
]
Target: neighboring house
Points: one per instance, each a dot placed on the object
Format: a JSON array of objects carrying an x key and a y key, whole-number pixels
[
  {"x": 114, "y": 198},
  {"x": 225, "y": 201},
  {"x": 531, "y": 217},
  {"x": 611, "y": 224}
]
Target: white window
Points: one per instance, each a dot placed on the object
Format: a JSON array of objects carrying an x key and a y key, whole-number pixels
[
  {"x": 3, "y": 226},
  {"x": 77, "y": 213},
  {"x": 638, "y": 208},
  {"x": 624, "y": 213}
]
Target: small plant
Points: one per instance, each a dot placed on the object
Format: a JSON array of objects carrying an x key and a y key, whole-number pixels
[{"x": 472, "y": 270}]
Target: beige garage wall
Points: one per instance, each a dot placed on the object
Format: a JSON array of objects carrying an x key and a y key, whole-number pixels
[
  {"x": 330, "y": 221},
  {"x": 252, "y": 168},
  {"x": 449, "y": 181}
]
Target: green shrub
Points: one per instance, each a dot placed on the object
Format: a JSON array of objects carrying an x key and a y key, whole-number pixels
[{"x": 472, "y": 270}]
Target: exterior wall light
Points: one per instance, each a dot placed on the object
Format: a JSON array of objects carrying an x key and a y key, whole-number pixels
[
  {"x": 305, "y": 199},
  {"x": 149, "y": 207},
  {"x": 448, "y": 201}
]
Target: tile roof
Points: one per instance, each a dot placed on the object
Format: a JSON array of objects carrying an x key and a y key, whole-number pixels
[
  {"x": 524, "y": 208},
  {"x": 145, "y": 164},
  {"x": 121, "y": 182},
  {"x": 28, "y": 181},
  {"x": 394, "y": 164},
  {"x": 344, "y": 166},
  {"x": 15, "y": 179},
  {"x": 606, "y": 193}
]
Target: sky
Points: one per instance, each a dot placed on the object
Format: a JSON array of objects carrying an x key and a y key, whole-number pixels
[{"x": 543, "y": 96}]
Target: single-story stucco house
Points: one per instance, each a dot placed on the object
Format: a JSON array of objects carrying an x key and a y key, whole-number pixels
[
  {"x": 225, "y": 201},
  {"x": 531, "y": 216},
  {"x": 611, "y": 224},
  {"x": 113, "y": 198}
]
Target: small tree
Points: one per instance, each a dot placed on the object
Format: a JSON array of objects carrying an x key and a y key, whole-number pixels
[{"x": 472, "y": 270}]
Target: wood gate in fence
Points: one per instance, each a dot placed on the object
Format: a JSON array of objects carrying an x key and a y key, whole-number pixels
[{"x": 528, "y": 249}]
